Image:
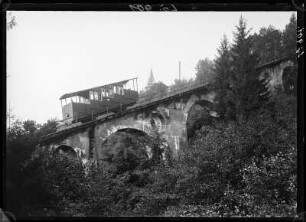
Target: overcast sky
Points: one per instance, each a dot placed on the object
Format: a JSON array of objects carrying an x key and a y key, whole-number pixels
[{"x": 53, "y": 53}]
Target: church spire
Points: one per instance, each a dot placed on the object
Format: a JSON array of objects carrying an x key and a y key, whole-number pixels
[{"x": 151, "y": 78}]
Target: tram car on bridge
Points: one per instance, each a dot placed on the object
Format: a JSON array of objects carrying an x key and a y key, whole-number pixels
[{"x": 83, "y": 105}]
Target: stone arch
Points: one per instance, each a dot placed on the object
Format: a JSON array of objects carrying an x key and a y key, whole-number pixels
[
  {"x": 80, "y": 153},
  {"x": 199, "y": 114},
  {"x": 289, "y": 79},
  {"x": 121, "y": 139},
  {"x": 125, "y": 149},
  {"x": 157, "y": 119},
  {"x": 66, "y": 149},
  {"x": 266, "y": 76}
]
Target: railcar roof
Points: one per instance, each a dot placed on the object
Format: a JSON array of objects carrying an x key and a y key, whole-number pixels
[{"x": 84, "y": 92}]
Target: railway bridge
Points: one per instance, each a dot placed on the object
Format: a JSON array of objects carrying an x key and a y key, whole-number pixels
[{"x": 171, "y": 114}]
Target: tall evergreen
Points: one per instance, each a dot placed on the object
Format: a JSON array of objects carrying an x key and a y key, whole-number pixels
[
  {"x": 247, "y": 92},
  {"x": 222, "y": 70},
  {"x": 290, "y": 38}
]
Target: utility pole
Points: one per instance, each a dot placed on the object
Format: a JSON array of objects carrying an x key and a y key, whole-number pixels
[{"x": 137, "y": 83}]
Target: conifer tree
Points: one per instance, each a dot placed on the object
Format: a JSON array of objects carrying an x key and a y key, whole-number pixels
[
  {"x": 222, "y": 70},
  {"x": 247, "y": 92},
  {"x": 290, "y": 38}
]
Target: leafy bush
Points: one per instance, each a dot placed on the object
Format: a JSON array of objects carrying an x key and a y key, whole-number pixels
[
  {"x": 244, "y": 169},
  {"x": 230, "y": 169}
]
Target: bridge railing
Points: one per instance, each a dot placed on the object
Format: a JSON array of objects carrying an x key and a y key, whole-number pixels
[{"x": 168, "y": 92}]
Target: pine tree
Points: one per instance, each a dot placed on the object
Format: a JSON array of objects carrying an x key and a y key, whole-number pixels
[
  {"x": 222, "y": 70},
  {"x": 247, "y": 92},
  {"x": 290, "y": 38}
]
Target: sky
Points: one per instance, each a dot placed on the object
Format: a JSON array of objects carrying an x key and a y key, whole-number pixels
[{"x": 52, "y": 53}]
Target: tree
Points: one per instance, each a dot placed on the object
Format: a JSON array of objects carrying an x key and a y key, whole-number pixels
[
  {"x": 153, "y": 89},
  {"x": 47, "y": 128},
  {"x": 268, "y": 44},
  {"x": 23, "y": 136},
  {"x": 289, "y": 38},
  {"x": 247, "y": 93},
  {"x": 178, "y": 84},
  {"x": 223, "y": 72},
  {"x": 30, "y": 126},
  {"x": 11, "y": 21},
  {"x": 156, "y": 90},
  {"x": 15, "y": 130},
  {"x": 290, "y": 74},
  {"x": 204, "y": 71}
]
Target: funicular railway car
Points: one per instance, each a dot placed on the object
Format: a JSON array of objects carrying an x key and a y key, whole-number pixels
[{"x": 82, "y": 105}]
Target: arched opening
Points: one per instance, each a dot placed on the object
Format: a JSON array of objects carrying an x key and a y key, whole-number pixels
[
  {"x": 157, "y": 119},
  {"x": 289, "y": 79},
  {"x": 126, "y": 149},
  {"x": 130, "y": 149},
  {"x": 266, "y": 76},
  {"x": 64, "y": 149},
  {"x": 198, "y": 115}
]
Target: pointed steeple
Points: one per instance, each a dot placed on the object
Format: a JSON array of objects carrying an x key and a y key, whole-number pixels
[{"x": 151, "y": 78}]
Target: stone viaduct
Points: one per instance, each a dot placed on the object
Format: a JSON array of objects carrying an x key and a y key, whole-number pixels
[
  {"x": 169, "y": 114},
  {"x": 273, "y": 72}
]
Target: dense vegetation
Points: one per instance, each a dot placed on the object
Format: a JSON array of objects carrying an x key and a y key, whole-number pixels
[{"x": 240, "y": 164}]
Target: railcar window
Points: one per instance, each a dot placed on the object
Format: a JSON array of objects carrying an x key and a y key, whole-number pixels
[
  {"x": 96, "y": 96},
  {"x": 91, "y": 95},
  {"x": 84, "y": 100},
  {"x": 103, "y": 92}
]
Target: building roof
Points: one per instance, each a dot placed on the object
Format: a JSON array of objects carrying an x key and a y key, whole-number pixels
[{"x": 84, "y": 93}]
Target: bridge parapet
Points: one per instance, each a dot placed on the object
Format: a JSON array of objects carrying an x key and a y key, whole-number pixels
[{"x": 168, "y": 93}]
